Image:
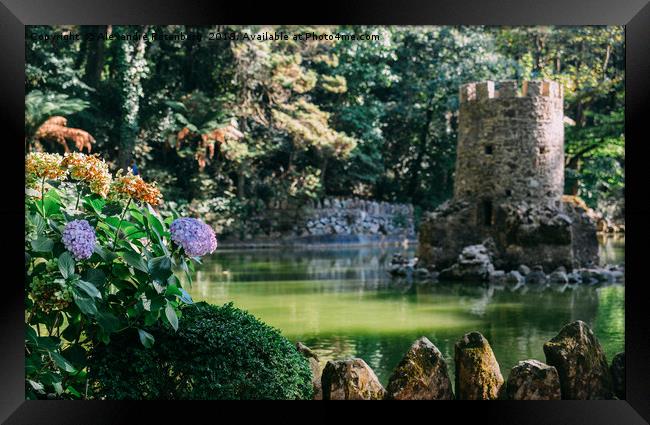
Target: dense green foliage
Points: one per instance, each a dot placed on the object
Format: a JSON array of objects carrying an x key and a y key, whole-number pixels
[
  {"x": 218, "y": 353},
  {"x": 239, "y": 125},
  {"x": 124, "y": 281}
]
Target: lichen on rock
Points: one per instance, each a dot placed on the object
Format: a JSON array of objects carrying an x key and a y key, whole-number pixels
[
  {"x": 478, "y": 376},
  {"x": 350, "y": 379},
  {"x": 421, "y": 375},
  {"x": 580, "y": 362},
  {"x": 533, "y": 380}
]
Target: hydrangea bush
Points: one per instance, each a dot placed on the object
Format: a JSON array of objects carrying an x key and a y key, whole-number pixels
[{"x": 99, "y": 261}]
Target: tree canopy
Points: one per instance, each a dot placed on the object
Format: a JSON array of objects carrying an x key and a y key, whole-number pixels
[{"x": 249, "y": 123}]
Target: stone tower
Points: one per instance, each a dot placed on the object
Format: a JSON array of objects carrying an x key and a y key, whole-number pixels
[
  {"x": 509, "y": 181},
  {"x": 510, "y": 144}
]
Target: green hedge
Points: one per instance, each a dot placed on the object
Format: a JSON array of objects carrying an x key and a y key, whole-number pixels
[{"x": 217, "y": 353}]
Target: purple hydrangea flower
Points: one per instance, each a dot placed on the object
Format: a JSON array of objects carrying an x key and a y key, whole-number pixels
[
  {"x": 79, "y": 238},
  {"x": 196, "y": 237}
]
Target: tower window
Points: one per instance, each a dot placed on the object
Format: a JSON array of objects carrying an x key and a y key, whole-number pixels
[
  {"x": 508, "y": 192},
  {"x": 488, "y": 149},
  {"x": 486, "y": 212}
]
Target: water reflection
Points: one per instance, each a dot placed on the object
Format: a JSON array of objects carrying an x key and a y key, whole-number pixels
[{"x": 341, "y": 303}]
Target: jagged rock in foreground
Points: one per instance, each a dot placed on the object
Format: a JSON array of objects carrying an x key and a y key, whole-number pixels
[
  {"x": 350, "y": 379},
  {"x": 580, "y": 362},
  {"x": 314, "y": 364},
  {"x": 617, "y": 370},
  {"x": 421, "y": 375},
  {"x": 533, "y": 380},
  {"x": 473, "y": 264},
  {"x": 478, "y": 376}
]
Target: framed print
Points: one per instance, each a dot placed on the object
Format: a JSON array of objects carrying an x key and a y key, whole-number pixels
[{"x": 429, "y": 201}]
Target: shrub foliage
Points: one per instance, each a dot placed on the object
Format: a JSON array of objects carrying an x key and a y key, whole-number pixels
[{"x": 217, "y": 353}]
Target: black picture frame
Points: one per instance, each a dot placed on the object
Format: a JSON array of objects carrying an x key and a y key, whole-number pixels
[{"x": 634, "y": 14}]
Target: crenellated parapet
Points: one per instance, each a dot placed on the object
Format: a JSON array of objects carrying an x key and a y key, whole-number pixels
[{"x": 486, "y": 90}]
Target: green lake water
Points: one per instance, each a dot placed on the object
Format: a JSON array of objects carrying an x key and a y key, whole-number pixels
[{"x": 342, "y": 303}]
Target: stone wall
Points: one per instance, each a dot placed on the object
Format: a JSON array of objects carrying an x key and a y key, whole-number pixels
[{"x": 333, "y": 220}]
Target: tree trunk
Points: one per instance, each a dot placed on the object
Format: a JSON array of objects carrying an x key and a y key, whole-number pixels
[
  {"x": 130, "y": 61},
  {"x": 416, "y": 167},
  {"x": 95, "y": 57},
  {"x": 241, "y": 183}
]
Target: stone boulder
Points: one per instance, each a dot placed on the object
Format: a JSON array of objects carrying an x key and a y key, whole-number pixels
[
  {"x": 421, "y": 375},
  {"x": 533, "y": 380},
  {"x": 580, "y": 362},
  {"x": 537, "y": 276},
  {"x": 617, "y": 369},
  {"x": 523, "y": 270},
  {"x": 350, "y": 379},
  {"x": 559, "y": 276},
  {"x": 473, "y": 264},
  {"x": 314, "y": 364},
  {"x": 478, "y": 376}
]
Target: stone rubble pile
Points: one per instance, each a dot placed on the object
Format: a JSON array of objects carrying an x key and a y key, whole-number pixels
[{"x": 474, "y": 264}]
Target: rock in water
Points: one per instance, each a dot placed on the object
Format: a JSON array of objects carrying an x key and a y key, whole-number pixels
[
  {"x": 421, "y": 375},
  {"x": 580, "y": 362},
  {"x": 478, "y": 376},
  {"x": 533, "y": 380},
  {"x": 314, "y": 364},
  {"x": 473, "y": 264},
  {"x": 350, "y": 380},
  {"x": 617, "y": 370}
]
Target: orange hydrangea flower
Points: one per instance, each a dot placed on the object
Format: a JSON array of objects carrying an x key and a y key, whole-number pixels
[
  {"x": 133, "y": 187},
  {"x": 89, "y": 169},
  {"x": 44, "y": 165}
]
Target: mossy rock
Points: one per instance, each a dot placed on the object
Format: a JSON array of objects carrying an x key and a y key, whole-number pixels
[
  {"x": 533, "y": 380},
  {"x": 350, "y": 379},
  {"x": 478, "y": 376},
  {"x": 421, "y": 375},
  {"x": 580, "y": 362}
]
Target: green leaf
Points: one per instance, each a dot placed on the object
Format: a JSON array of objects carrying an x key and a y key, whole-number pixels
[
  {"x": 106, "y": 255},
  {"x": 160, "y": 267},
  {"x": 96, "y": 277},
  {"x": 186, "y": 298},
  {"x": 52, "y": 202},
  {"x": 72, "y": 331},
  {"x": 146, "y": 338},
  {"x": 95, "y": 203},
  {"x": 108, "y": 321},
  {"x": 42, "y": 244},
  {"x": 135, "y": 260},
  {"x": 30, "y": 335},
  {"x": 170, "y": 313},
  {"x": 73, "y": 391},
  {"x": 38, "y": 222},
  {"x": 173, "y": 290},
  {"x": 112, "y": 208},
  {"x": 137, "y": 216},
  {"x": 61, "y": 362},
  {"x": 66, "y": 265},
  {"x": 86, "y": 304},
  {"x": 36, "y": 385},
  {"x": 88, "y": 288},
  {"x": 58, "y": 387}
]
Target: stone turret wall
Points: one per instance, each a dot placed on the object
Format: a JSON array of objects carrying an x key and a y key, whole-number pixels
[
  {"x": 510, "y": 143},
  {"x": 509, "y": 182}
]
